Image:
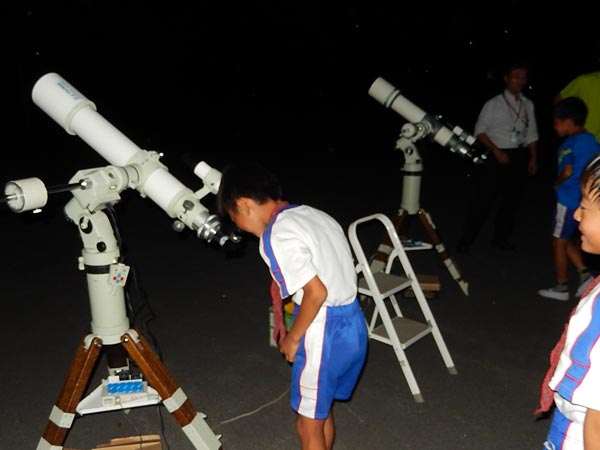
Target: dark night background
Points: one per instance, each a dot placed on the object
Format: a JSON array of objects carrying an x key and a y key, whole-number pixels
[
  {"x": 284, "y": 83},
  {"x": 285, "y": 79}
]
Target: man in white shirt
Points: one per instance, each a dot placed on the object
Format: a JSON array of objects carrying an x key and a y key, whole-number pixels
[{"x": 507, "y": 126}]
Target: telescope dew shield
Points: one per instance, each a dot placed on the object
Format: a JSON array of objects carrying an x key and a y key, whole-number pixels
[
  {"x": 59, "y": 99},
  {"x": 390, "y": 97},
  {"x": 78, "y": 116}
]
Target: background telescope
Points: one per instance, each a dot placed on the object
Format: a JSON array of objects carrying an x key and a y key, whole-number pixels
[
  {"x": 78, "y": 116},
  {"x": 456, "y": 139}
]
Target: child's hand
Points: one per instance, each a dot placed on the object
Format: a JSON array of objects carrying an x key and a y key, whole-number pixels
[
  {"x": 557, "y": 183},
  {"x": 288, "y": 347}
]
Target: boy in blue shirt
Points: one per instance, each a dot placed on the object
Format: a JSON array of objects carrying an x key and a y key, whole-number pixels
[{"x": 573, "y": 154}]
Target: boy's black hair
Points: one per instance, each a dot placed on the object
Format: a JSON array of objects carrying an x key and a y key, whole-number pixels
[
  {"x": 571, "y": 108},
  {"x": 590, "y": 177},
  {"x": 250, "y": 180}
]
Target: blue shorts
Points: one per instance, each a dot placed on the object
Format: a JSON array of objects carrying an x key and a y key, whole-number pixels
[
  {"x": 563, "y": 434},
  {"x": 564, "y": 224},
  {"x": 329, "y": 360}
]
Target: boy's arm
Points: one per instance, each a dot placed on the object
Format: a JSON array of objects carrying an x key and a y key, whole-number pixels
[
  {"x": 565, "y": 173},
  {"x": 591, "y": 430},
  {"x": 314, "y": 296}
]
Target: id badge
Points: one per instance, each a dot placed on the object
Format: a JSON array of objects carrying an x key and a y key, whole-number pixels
[{"x": 514, "y": 135}]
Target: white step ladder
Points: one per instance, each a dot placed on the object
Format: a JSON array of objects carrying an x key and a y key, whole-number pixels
[{"x": 396, "y": 330}]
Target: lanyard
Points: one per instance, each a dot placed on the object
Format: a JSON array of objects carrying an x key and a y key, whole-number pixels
[{"x": 518, "y": 112}]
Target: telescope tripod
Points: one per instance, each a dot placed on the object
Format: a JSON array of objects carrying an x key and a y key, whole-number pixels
[
  {"x": 106, "y": 278},
  {"x": 411, "y": 188},
  {"x": 139, "y": 351}
]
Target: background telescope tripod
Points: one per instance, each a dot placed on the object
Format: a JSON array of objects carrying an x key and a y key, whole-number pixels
[{"x": 411, "y": 189}]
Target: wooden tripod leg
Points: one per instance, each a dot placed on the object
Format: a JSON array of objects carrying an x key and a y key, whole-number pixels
[
  {"x": 427, "y": 222},
  {"x": 381, "y": 255},
  {"x": 173, "y": 397},
  {"x": 63, "y": 413}
]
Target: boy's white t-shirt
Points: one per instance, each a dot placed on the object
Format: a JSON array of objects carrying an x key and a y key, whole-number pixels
[
  {"x": 302, "y": 242},
  {"x": 576, "y": 380}
]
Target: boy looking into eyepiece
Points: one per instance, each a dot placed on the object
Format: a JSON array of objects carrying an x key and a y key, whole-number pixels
[{"x": 309, "y": 257}]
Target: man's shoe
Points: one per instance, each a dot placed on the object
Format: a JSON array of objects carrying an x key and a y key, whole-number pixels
[
  {"x": 583, "y": 286},
  {"x": 556, "y": 293},
  {"x": 503, "y": 245}
]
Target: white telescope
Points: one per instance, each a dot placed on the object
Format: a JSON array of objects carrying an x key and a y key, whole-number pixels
[
  {"x": 77, "y": 115},
  {"x": 457, "y": 140}
]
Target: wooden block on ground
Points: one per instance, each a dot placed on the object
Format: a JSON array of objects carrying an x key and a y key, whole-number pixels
[
  {"x": 147, "y": 442},
  {"x": 430, "y": 284}
]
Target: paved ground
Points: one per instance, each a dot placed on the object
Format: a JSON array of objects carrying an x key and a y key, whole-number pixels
[
  {"x": 210, "y": 313},
  {"x": 291, "y": 92}
]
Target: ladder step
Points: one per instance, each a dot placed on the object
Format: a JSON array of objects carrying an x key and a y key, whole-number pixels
[
  {"x": 387, "y": 283},
  {"x": 408, "y": 330}
]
